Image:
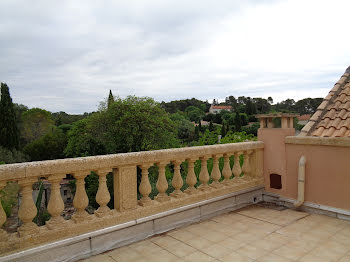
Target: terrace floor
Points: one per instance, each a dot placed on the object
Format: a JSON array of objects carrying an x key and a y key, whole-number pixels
[{"x": 251, "y": 234}]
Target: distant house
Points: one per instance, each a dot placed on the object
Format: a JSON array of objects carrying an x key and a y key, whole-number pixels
[
  {"x": 303, "y": 119},
  {"x": 217, "y": 109}
]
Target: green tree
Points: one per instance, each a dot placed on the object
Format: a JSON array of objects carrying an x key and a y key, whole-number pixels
[
  {"x": 130, "y": 125},
  {"x": 9, "y": 136},
  {"x": 49, "y": 146},
  {"x": 36, "y": 123},
  {"x": 223, "y": 129},
  {"x": 211, "y": 127},
  {"x": 238, "y": 122}
]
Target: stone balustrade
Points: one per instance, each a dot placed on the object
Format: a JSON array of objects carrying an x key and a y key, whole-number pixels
[{"x": 127, "y": 206}]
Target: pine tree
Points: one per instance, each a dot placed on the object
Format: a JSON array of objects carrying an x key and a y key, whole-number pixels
[
  {"x": 223, "y": 129},
  {"x": 110, "y": 99},
  {"x": 8, "y": 127},
  {"x": 200, "y": 126},
  {"x": 238, "y": 122},
  {"x": 211, "y": 126},
  {"x": 196, "y": 133}
]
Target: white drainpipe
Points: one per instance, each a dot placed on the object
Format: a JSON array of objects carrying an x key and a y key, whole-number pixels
[{"x": 301, "y": 182}]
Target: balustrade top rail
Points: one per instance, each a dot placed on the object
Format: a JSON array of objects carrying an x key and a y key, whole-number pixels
[{"x": 71, "y": 165}]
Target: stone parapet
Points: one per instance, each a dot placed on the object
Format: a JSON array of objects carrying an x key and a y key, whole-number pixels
[{"x": 236, "y": 167}]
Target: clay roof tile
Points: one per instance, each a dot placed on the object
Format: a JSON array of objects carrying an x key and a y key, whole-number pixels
[{"x": 332, "y": 118}]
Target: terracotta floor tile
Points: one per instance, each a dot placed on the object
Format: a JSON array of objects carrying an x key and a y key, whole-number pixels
[
  {"x": 245, "y": 237},
  {"x": 312, "y": 258},
  {"x": 251, "y": 251},
  {"x": 327, "y": 253},
  {"x": 216, "y": 251},
  {"x": 126, "y": 256},
  {"x": 267, "y": 245},
  {"x": 181, "y": 235},
  {"x": 231, "y": 243},
  {"x": 180, "y": 249},
  {"x": 235, "y": 257},
  {"x": 336, "y": 246},
  {"x": 165, "y": 241},
  {"x": 162, "y": 256},
  {"x": 213, "y": 236},
  {"x": 198, "y": 243},
  {"x": 290, "y": 252},
  {"x": 342, "y": 239},
  {"x": 273, "y": 258},
  {"x": 253, "y": 234},
  {"x": 99, "y": 258},
  {"x": 198, "y": 257},
  {"x": 345, "y": 259}
]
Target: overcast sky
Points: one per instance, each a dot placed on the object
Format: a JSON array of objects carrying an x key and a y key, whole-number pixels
[{"x": 66, "y": 55}]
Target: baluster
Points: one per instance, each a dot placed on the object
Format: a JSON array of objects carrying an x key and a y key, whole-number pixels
[
  {"x": 162, "y": 183},
  {"x": 56, "y": 204},
  {"x": 81, "y": 200},
  {"x": 204, "y": 175},
  {"x": 177, "y": 181},
  {"x": 3, "y": 233},
  {"x": 191, "y": 178},
  {"x": 246, "y": 168},
  {"x": 27, "y": 210},
  {"x": 102, "y": 195},
  {"x": 145, "y": 186},
  {"x": 227, "y": 172},
  {"x": 236, "y": 170},
  {"x": 215, "y": 174}
]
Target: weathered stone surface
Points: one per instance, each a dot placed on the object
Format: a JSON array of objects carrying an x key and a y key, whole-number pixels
[
  {"x": 121, "y": 237},
  {"x": 176, "y": 220}
]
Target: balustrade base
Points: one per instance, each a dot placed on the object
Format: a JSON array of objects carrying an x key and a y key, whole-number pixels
[
  {"x": 162, "y": 197},
  {"x": 145, "y": 202},
  {"x": 55, "y": 222},
  {"x": 81, "y": 216},
  {"x": 103, "y": 211},
  {"x": 177, "y": 194},
  {"x": 204, "y": 187},
  {"x": 191, "y": 191},
  {"x": 28, "y": 229},
  {"x": 216, "y": 185}
]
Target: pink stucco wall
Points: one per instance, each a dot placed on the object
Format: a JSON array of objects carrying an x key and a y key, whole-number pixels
[{"x": 327, "y": 174}]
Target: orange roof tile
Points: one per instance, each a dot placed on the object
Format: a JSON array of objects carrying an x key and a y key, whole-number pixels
[
  {"x": 332, "y": 118},
  {"x": 221, "y": 107}
]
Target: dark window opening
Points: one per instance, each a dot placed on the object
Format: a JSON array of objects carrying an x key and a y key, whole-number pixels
[{"x": 275, "y": 181}]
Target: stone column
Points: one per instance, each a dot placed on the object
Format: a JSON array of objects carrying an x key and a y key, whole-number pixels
[
  {"x": 177, "y": 181},
  {"x": 284, "y": 122},
  {"x": 215, "y": 173},
  {"x": 236, "y": 170},
  {"x": 204, "y": 175},
  {"x": 246, "y": 168},
  {"x": 3, "y": 233},
  {"x": 270, "y": 123},
  {"x": 226, "y": 172},
  {"x": 291, "y": 122},
  {"x": 81, "y": 200},
  {"x": 162, "y": 183},
  {"x": 102, "y": 195},
  {"x": 191, "y": 178},
  {"x": 27, "y": 210},
  {"x": 56, "y": 204},
  {"x": 145, "y": 186},
  {"x": 125, "y": 188}
]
